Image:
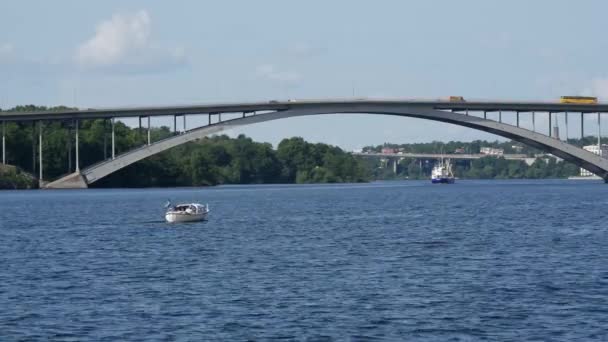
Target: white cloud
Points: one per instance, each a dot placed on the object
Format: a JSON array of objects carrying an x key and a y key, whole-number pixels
[
  {"x": 124, "y": 42},
  {"x": 270, "y": 72}
]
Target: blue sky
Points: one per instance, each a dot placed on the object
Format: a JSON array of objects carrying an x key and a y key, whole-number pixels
[{"x": 114, "y": 53}]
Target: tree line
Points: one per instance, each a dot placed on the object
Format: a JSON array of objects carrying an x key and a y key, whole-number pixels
[
  {"x": 483, "y": 168},
  {"x": 473, "y": 147}
]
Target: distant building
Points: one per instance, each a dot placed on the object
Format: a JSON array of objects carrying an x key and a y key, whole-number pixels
[
  {"x": 517, "y": 148},
  {"x": 459, "y": 150},
  {"x": 491, "y": 151},
  {"x": 388, "y": 150},
  {"x": 600, "y": 150}
]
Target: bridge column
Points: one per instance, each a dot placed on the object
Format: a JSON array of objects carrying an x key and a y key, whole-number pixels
[
  {"x": 566, "y": 117},
  {"x": 40, "y": 151},
  {"x": 33, "y": 147},
  {"x": 174, "y": 124},
  {"x": 77, "y": 152},
  {"x": 533, "y": 121},
  {"x": 184, "y": 117},
  {"x": 517, "y": 119},
  {"x": 550, "y": 125},
  {"x": 219, "y": 117},
  {"x": 69, "y": 148},
  {"x": 209, "y": 117},
  {"x": 582, "y": 125},
  {"x": 105, "y": 139},
  {"x": 3, "y": 142},
  {"x": 485, "y": 114},
  {"x": 500, "y": 116},
  {"x": 113, "y": 138},
  {"x": 599, "y": 132},
  {"x": 148, "y": 130}
]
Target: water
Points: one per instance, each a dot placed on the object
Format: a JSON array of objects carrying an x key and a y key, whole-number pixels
[{"x": 479, "y": 260}]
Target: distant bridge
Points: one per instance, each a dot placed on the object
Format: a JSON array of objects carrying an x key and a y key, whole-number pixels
[
  {"x": 465, "y": 156},
  {"x": 467, "y": 114}
]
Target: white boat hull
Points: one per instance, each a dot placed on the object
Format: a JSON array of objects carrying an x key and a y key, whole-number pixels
[{"x": 183, "y": 217}]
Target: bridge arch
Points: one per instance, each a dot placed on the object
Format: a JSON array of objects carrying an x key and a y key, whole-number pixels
[{"x": 585, "y": 159}]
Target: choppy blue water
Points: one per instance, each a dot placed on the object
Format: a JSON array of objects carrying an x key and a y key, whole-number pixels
[{"x": 478, "y": 260}]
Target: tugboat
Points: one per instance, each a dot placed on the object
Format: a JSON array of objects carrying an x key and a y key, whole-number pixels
[{"x": 442, "y": 173}]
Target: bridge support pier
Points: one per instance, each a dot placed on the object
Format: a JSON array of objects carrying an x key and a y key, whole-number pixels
[
  {"x": 566, "y": 117},
  {"x": 33, "y": 147},
  {"x": 40, "y": 162},
  {"x": 517, "y": 119},
  {"x": 599, "y": 131},
  {"x": 72, "y": 181},
  {"x": 113, "y": 139},
  {"x": 174, "y": 124},
  {"x": 184, "y": 117},
  {"x": 3, "y": 142},
  {"x": 582, "y": 126},
  {"x": 550, "y": 125},
  {"x": 500, "y": 116},
  {"x": 105, "y": 139},
  {"x": 148, "y": 131},
  {"x": 77, "y": 152},
  {"x": 533, "y": 121},
  {"x": 69, "y": 143}
]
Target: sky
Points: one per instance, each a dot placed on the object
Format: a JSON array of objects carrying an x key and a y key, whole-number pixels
[{"x": 115, "y": 53}]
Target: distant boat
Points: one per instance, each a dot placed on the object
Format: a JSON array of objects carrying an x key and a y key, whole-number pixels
[
  {"x": 190, "y": 212},
  {"x": 442, "y": 173}
]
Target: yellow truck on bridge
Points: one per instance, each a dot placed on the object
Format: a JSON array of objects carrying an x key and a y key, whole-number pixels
[{"x": 578, "y": 99}]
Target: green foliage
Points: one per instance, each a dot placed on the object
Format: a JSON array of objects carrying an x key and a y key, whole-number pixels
[
  {"x": 484, "y": 168},
  {"x": 303, "y": 162},
  {"x": 12, "y": 177}
]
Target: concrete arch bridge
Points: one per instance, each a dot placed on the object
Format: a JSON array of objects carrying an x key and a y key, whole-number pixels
[{"x": 467, "y": 114}]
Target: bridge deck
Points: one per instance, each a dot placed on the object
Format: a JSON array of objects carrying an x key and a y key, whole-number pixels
[{"x": 488, "y": 106}]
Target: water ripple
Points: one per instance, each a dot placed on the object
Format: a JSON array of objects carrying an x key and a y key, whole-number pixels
[{"x": 480, "y": 260}]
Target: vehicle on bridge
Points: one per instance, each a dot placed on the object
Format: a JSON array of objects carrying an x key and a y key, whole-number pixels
[
  {"x": 578, "y": 99},
  {"x": 456, "y": 99}
]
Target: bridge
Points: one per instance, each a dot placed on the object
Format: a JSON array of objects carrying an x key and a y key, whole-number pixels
[
  {"x": 468, "y": 114},
  {"x": 462, "y": 156},
  {"x": 396, "y": 157}
]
